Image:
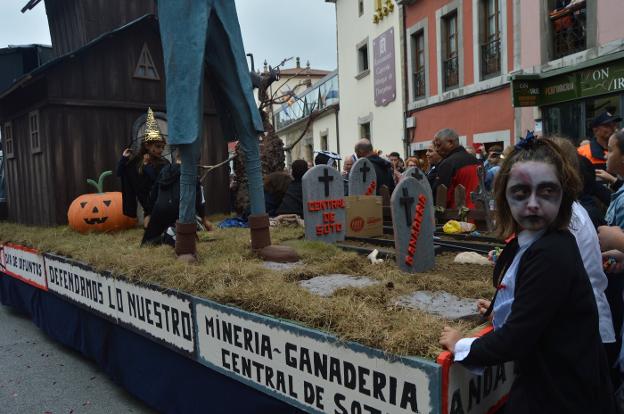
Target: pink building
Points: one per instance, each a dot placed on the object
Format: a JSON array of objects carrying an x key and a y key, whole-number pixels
[
  {"x": 491, "y": 69},
  {"x": 571, "y": 64},
  {"x": 458, "y": 58}
]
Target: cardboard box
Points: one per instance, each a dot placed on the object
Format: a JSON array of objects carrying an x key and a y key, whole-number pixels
[{"x": 364, "y": 216}]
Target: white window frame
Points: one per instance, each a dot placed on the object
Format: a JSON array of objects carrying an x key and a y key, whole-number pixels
[
  {"x": 441, "y": 14},
  {"x": 360, "y": 72},
  {"x": 493, "y": 136},
  {"x": 35, "y": 147},
  {"x": 423, "y": 26},
  {"x": 476, "y": 44}
]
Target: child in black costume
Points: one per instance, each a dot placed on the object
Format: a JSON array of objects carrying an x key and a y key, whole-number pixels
[
  {"x": 544, "y": 312},
  {"x": 165, "y": 202},
  {"x": 138, "y": 172}
]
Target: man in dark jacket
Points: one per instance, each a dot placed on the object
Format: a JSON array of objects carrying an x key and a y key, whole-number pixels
[
  {"x": 292, "y": 202},
  {"x": 383, "y": 168},
  {"x": 457, "y": 167}
]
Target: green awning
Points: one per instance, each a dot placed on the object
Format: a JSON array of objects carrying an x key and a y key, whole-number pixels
[{"x": 600, "y": 76}]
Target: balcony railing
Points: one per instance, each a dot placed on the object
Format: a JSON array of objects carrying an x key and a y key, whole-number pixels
[
  {"x": 570, "y": 31},
  {"x": 490, "y": 59},
  {"x": 419, "y": 83},
  {"x": 451, "y": 73}
]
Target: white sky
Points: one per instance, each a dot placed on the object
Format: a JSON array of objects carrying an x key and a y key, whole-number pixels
[{"x": 305, "y": 28}]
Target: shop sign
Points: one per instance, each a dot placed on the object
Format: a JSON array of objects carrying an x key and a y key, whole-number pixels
[{"x": 594, "y": 81}]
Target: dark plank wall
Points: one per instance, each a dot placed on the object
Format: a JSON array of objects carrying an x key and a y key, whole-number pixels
[
  {"x": 86, "y": 121},
  {"x": 66, "y": 31},
  {"x": 102, "y": 16},
  {"x": 31, "y": 198},
  {"x": 105, "y": 135},
  {"x": 74, "y": 23}
]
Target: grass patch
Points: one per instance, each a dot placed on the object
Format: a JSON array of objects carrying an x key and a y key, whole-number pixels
[{"x": 229, "y": 273}]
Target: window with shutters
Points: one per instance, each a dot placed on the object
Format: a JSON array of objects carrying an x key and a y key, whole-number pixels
[
  {"x": 418, "y": 64},
  {"x": 33, "y": 132},
  {"x": 450, "y": 62},
  {"x": 8, "y": 140}
]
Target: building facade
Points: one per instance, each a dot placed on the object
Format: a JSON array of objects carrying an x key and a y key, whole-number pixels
[
  {"x": 310, "y": 121},
  {"x": 370, "y": 59},
  {"x": 571, "y": 65},
  {"x": 458, "y": 58}
]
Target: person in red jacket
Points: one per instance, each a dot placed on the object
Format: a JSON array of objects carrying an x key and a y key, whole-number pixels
[{"x": 457, "y": 167}]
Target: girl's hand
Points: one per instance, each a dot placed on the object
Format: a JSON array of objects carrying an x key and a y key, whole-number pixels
[
  {"x": 449, "y": 337},
  {"x": 613, "y": 261},
  {"x": 146, "y": 221},
  {"x": 127, "y": 153},
  {"x": 603, "y": 175},
  {"x": 483, "y": 305}
]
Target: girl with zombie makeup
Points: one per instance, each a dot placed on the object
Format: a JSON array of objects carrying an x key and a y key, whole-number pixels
[
  {"x": 544, "y": 312},
  {"x": 138, "y": 172}
]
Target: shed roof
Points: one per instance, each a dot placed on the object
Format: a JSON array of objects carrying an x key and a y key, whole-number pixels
[{"x": 26, "y": 78}]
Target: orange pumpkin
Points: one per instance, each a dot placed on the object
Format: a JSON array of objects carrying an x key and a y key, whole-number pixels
[{"x": 100, "y": 212}]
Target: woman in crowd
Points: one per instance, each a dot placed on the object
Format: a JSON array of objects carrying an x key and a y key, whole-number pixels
[
  {"x": 544, "y": 312},
  {"x": 433, "y": 159}
]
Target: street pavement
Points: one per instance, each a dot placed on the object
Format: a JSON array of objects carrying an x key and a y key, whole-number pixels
[{"x": 40, "y": 376}]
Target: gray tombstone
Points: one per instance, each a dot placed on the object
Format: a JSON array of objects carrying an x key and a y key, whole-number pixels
[
  {"x": 481, "y": 198},
  {"x": 421, "y": 178},
  {"x": 361, "y": 177},
  {"x": 412, "y": 221},
  {"x": 323, "y": 204}
]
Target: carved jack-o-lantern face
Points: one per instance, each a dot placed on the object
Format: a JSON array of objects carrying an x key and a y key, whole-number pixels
[
  {"x": 99, "y": 212},
  {"x": 98, "y": 215}
]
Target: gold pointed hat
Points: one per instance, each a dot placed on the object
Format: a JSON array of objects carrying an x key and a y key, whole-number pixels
[{"x": 152, "y": 130}]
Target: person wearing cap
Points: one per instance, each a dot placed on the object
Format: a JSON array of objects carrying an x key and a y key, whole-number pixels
[
  {"x": 383, "y": 167},
  {"x": 326, "y": 158},
  {"x": 603, "y": 126}
]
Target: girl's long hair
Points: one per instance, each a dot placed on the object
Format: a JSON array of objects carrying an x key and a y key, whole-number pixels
[{"x": 540, "y": 150}]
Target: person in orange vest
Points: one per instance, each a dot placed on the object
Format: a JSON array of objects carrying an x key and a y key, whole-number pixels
[{"x": 603, "y": 126}]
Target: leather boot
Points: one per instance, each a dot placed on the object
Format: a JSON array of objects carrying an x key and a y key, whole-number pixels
[
  {"x": 185, "y": 247},
  {"x": 260, "y": 235}
]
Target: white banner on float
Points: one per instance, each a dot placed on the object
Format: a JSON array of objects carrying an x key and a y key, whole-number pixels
[
  {"x": 470, "y": 393},
  {"x": 310, "y": 369},
  {"x": 79, "y": 283},
  {"x": 165, "y": 316},
  {"x": 159, "y": 314},
  {"x": 25, "y": 264}
]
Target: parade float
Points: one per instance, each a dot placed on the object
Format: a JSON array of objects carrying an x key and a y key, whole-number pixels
[{"x": 335, "y": 332}]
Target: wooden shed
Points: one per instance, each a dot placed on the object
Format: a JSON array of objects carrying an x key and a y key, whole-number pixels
[{"x": 70, "y": 119}]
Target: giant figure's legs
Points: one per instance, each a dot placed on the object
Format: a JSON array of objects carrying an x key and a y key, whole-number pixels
[
  {"x": 195, "y": 32},
  {"x": 186, "y": 227},
  {"x": 223, "y": 67},
  {"x": 222, "y": 64}
]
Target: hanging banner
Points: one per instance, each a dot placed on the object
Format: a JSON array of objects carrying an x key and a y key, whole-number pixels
[
  {"x": 25, "y": 264},
  {"x": 384, "y": 71}
]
